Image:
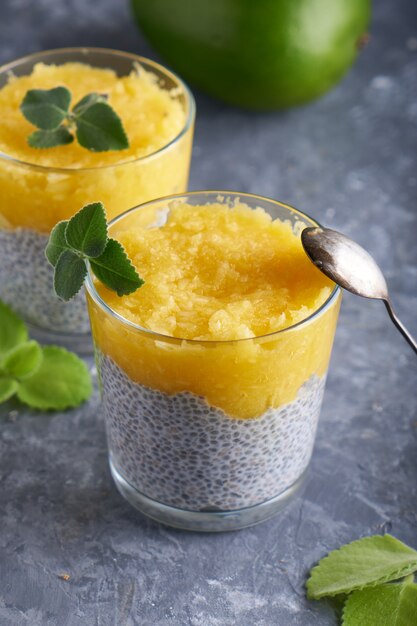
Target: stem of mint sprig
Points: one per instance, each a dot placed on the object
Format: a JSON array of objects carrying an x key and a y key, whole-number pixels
[
  {"x": 374, "y": 576},
  {"x": 81, "y": 241},
  {"x": 96, "y": 125},
  {"x": 42, "y": 377}
]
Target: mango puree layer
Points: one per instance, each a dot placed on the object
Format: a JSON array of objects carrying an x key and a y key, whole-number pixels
[
  {"x": 213, "y": 276},
  {"x": 34, "y": 197}
]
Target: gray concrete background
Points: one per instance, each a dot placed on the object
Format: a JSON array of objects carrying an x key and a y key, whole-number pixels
[{"x": 348, "y": 159}]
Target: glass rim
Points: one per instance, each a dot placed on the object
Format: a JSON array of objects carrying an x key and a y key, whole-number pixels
[
  {"x": 92, "y": 292},
  {"x": 8, "y": 67}
]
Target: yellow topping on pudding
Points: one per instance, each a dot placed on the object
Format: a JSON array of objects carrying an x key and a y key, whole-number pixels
[{"x": 218, "y": 273}]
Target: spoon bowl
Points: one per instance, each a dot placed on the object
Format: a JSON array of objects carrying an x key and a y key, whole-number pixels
[{"x": 350, "y": 266}]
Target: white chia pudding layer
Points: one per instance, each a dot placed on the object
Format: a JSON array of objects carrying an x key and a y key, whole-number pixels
[
  {"x": 26, "y": 284},
  {"x": 178, "y": 450}
]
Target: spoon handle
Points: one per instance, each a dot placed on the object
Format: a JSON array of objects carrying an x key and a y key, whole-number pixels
[{"x": 407, "y": 336}]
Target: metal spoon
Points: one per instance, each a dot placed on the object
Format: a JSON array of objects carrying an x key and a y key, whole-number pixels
[{"x": 350, "y": 266}]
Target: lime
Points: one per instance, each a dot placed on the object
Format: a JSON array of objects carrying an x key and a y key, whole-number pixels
[{"x": 262, "y": 54}]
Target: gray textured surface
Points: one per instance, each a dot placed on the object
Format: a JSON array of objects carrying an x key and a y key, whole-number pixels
[{"x": 350, "y": 160}]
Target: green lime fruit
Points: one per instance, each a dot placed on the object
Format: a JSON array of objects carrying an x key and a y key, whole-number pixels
[{"x": 261, "y": 54}]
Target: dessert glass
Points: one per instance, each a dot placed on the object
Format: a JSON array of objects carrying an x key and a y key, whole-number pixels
[
  {"x": 188, "y": 443},
  {"x": 33, "y": 198}
]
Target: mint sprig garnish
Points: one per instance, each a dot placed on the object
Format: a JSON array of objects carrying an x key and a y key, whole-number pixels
[
  {"x": 46, "y": 108},
  {"x": 57, "y": 242},
  {"x": 84, "y": 239},
  {"x": 70, "y": 272},
  {"x": 50, "y": 138},
  {"x": 114, "y": 269},
  {"x": 86, "y": 231},
  {"x": 364, "y": 571},
  {"x": 94, "y": 122},
  {"x": 43, "y": 378}
]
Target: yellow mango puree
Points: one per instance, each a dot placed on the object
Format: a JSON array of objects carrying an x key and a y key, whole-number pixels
[
  {"x": 34, "y": 197},
  {"x": 214, "y": 273}
]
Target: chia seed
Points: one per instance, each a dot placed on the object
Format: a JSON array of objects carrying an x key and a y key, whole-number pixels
[
  {"x": 26, "y": 284},
  {"x": 178, "y": 450}
]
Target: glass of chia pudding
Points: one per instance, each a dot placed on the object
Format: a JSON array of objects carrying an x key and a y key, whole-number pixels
[
  {"x": 212, "y": 373},
  {"x": 39, "y": 187}
]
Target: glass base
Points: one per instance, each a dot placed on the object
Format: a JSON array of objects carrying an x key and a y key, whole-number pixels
[
  {"x": 205, "y": 521},
  {"x": 80, "y": 343}
]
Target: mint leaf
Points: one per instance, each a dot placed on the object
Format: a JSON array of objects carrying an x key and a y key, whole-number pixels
[
  {"x": 99, "y": 128},
  {"x": 46, "y": 108},
  {"x": 83, "y": 237},
  {"x": 8, "y": 388},
  {"x": 22, "y": 360},
  {"x": 50, "y": 138},
  {"x": 70, "y": 272},
  {"x": 384, "y": 605},
  {"x": 62, "y": 381},
  {"x": 52, "y": 378},
  {"x": 366, "y": 562},
  {"x": 88, "y": 101},
  {"x": 87, "y": 230},
  {"x": 57, "y": 242},
  {"x": 114, "y": 269},
  {"x": 12, "y": 330}
]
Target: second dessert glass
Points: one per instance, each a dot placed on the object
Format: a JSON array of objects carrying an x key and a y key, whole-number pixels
[
  {"x": 210, "y": 435},
  {"x": 33, "y": 198}
]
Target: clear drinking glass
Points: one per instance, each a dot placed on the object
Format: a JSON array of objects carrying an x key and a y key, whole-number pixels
[
  {"x": 33, "y": 198},
  {"x": 175, "y": 451}
]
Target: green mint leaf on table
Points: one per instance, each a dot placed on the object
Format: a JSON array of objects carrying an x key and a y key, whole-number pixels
[
  {"x": 8, "y": 388},
  {"x": 96, "y": 125},
  {"x": 46, "y": 108},
  {"x": 48, "y": 378},
  {"x": 57, "y": 242},
  {"x": 384, "y": 605},
  {"x": 99, "y": 129},
  {"x": 13, "y": 331},
  {"x": 84, "y": 238},
  {"x": 62, "y": 381},
  {"x": 114, "y": 269},
  {"x": 22, "y": 361},
  {"x": 70, "y": 272},
  {"x": 50, "y": 138},
  {"x": 362, "y": 563},
  {"x": 86, "y": 232}
]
